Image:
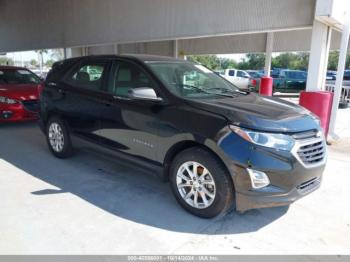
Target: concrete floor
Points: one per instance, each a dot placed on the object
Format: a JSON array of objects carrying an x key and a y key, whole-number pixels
[{"x": 90, "y": 205}]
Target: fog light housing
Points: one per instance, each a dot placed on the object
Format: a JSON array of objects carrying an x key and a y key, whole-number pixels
[
  {"x": 259, "y": 179},
  {"x": 6, "y": 114}
]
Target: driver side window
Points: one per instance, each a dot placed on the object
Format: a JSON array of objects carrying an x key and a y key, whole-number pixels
[{"x": 128, "y": 76}]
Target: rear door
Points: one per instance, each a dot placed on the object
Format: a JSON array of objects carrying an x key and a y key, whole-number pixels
[{"x": 80, "y": 93}]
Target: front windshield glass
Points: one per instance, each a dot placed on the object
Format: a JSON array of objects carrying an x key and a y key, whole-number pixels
[
  {"x": 296, "y": 74},
  {"x": 17, "y": 76},
  {"x": 190, "y": 80}
]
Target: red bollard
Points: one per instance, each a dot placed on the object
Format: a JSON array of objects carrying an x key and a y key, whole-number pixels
[
  {"x": 319, "y": 103},
  {"x": 266, "y": 86}
]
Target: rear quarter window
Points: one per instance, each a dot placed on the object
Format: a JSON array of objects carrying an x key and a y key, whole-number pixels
[{"x": 59, "y": 69}]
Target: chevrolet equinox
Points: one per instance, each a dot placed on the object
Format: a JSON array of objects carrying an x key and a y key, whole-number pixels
[{"x": 216, "y": 144}]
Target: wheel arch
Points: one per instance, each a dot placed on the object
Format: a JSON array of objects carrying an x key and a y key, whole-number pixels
[{"x": 183, "y": 145}]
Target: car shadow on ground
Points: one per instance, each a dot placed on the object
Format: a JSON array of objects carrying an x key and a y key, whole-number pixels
[{"x": 117, "y": 187}]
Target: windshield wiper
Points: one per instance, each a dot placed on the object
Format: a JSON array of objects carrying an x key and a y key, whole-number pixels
[
  {"x": 204, "y": 90},
  {"x": 231, "y": 91}
]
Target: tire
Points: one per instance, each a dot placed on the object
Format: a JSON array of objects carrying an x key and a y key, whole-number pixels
[
  {"x": 221, "y": 192},
  {"x": 64, "y": 149}
]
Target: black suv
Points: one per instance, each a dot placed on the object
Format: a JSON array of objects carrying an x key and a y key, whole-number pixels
[{"x": 215, "y": 143}]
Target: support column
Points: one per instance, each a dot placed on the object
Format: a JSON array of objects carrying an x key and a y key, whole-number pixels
[
  {"x": 115, "y": 47},
  {"x": 74, "y": 52},
  {"x": 176, "y": 48},
  {"x": 268, "y": 53},
  {"x": 65, "y": 53},
  {"x": 340, "y": 75},
  {"x": 320, "y": 42}
]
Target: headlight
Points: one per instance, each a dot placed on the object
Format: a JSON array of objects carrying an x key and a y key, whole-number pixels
[
  {"x": 277, "y": 141},
  {"x": 6, "y": 100}
]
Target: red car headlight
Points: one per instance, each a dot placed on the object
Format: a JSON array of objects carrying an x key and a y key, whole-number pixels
[{"x": 8, "y": 101}]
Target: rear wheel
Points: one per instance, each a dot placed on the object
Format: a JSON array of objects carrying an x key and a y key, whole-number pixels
[
  {"x": 200, "y": 183},
  {"x": 58, "y": 138}
]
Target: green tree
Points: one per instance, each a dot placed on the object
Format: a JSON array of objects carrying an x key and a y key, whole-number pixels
[
  {"x": 49, "y": 62},
  {"x": 303, "y": 61},
  {"x": 6, "y": 61},
  {"x": 33, "y": 62},
  {"x": 253, "y": 62},
  {"x": 210, "y": 61},
  {"x": 227, "y": 63}
]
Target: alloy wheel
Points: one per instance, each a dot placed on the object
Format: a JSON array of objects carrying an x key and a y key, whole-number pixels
[
  {"x": 56, "y": 137},
  {"x": 195, "y": 185}
]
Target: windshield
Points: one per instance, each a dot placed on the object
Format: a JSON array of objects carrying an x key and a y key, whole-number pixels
[
  {"x": 191, "y": 80},
  {"x": 296, "y": 74},
  {"x": 18, "y": 76}
]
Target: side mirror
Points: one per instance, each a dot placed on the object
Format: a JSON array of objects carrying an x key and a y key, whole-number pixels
[{"x": 144, "y": 93}]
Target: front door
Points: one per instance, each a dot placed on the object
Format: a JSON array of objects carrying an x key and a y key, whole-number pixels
[{"x": 129, "y": 125}]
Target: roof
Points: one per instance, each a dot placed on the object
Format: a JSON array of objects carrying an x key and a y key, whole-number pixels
[
  {"x": 140, "y": 57},
  {"x": 11, "y": 67}
]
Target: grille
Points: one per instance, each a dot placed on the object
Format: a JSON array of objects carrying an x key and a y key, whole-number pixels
[
  {"x": 308, "y": 186},
  {"x": 31, "y": 105},
  {"x": 312, "y": 153}
]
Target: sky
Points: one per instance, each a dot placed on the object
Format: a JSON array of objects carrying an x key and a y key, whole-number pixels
[{"x": 236, "y": 57}]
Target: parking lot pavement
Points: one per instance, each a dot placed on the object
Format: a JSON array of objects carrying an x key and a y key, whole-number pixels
[{"x": 92, "y": 205}]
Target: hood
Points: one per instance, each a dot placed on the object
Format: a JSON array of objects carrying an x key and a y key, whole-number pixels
[
  {"x": 256, "y": 112},
  {"x": 21, "y": 92}
]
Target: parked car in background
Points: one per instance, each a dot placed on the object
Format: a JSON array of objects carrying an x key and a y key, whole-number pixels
[
  {"x": 276, "y": 72},
  {"x": 255, "y": 76},
  {"x": 239, "y": 78},
  {"x": 331, "y": 75},
  {"x": 19, "y": 94},
  {"x": 290, "y": 81},
  {"x": 215, "y": 143},
  {"x": 346, "y": 75}
]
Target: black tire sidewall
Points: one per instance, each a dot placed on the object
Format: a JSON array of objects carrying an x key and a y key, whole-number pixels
[{"x": 224, "y": 187}]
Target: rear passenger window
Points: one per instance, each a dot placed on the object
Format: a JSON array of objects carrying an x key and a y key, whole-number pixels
[
  {"x": 128, "y": 76},
  {"x": 88, "y": 76}
]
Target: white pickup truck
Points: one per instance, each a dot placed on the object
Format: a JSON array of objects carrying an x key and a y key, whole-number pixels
[{"x": 239, "y": 78}]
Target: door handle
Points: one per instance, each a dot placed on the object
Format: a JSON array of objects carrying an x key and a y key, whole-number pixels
[{"x": 52, "y": 84}]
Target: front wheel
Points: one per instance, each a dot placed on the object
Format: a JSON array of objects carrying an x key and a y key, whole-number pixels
[
  {"x": 200, "y": 183},
  {"x": 58, "y": 138}
]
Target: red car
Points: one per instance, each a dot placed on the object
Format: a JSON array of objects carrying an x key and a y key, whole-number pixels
[{"x": 19, "y": 94}]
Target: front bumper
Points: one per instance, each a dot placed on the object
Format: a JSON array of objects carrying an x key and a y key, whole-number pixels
[
  {"x": 273, "y": 196},
  {"x": 16, "y": 112},
  {"x": 290, "y": 179}
]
